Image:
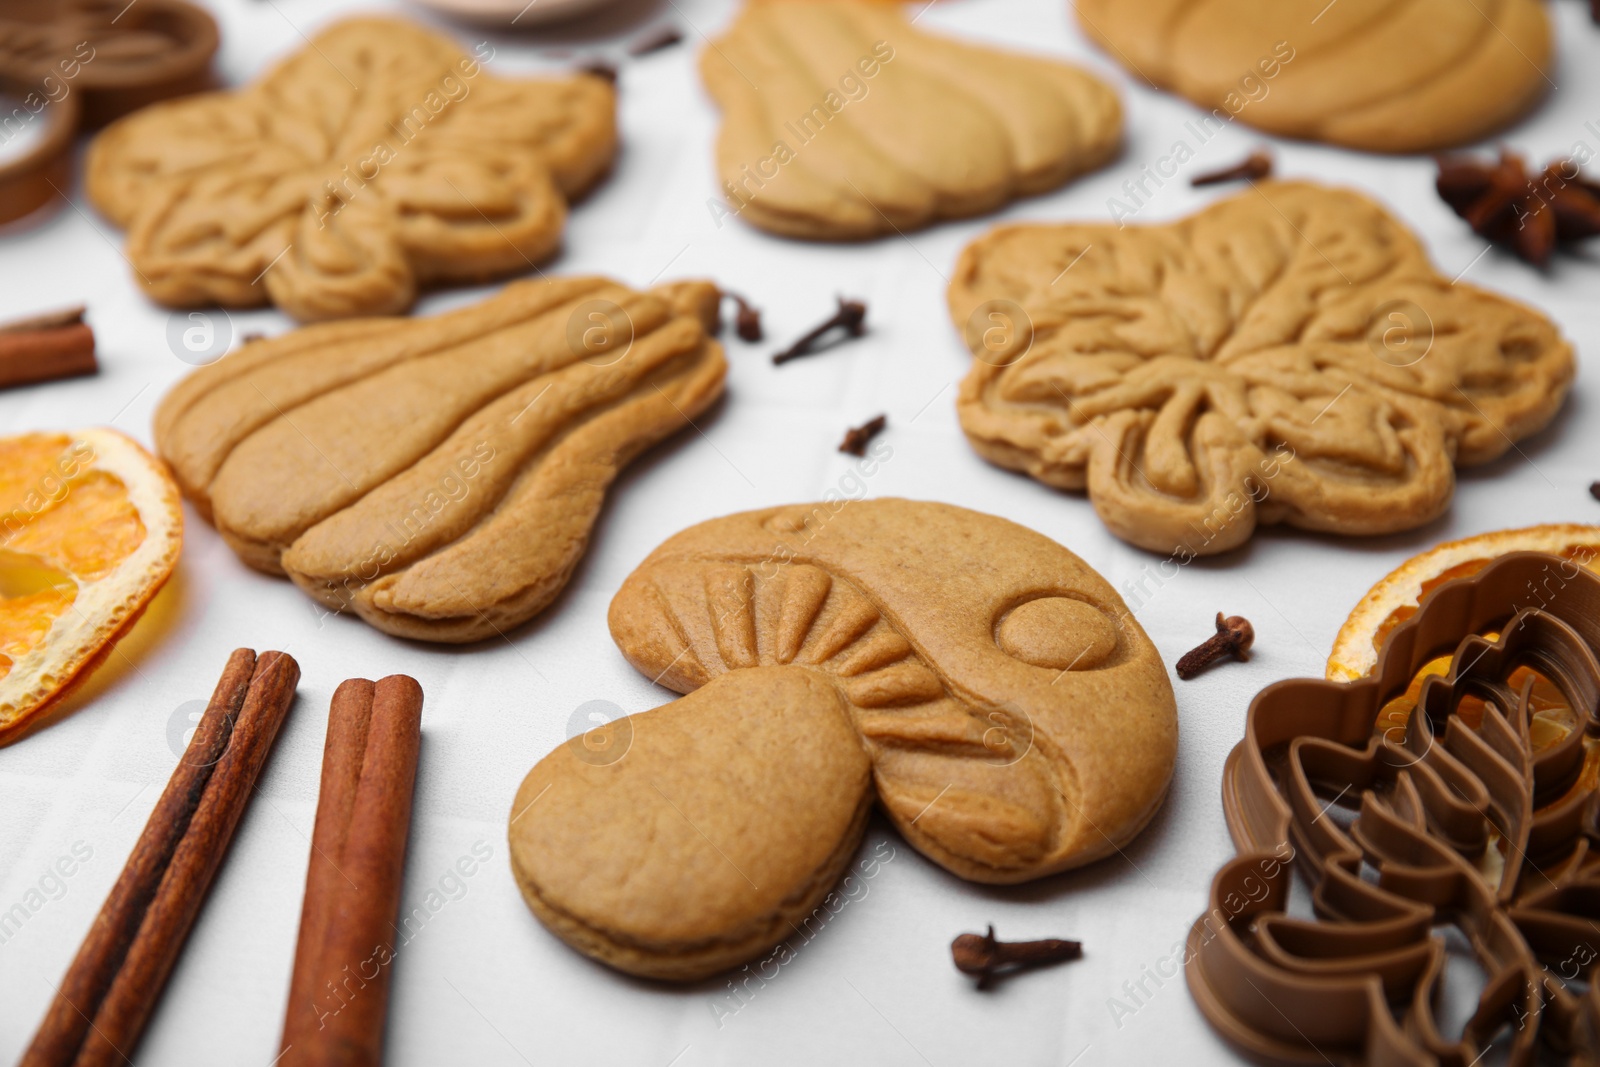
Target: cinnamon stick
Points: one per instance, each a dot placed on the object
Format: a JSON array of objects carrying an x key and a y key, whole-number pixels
[
  {"x": 103, "y": 1003},
  {"x": 339, "y": 991},
  {"x": 46, "y": 348}
]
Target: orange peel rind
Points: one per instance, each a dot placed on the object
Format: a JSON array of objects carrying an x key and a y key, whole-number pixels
[{"x": 90, "y": 530}]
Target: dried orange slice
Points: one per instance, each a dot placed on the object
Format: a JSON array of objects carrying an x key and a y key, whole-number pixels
[
  {"x": 1395, "y": 599},
  {"x": 90, "y": 529}
]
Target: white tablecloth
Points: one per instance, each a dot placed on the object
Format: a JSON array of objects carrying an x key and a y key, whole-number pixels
[{"x": 481, "y": 981}]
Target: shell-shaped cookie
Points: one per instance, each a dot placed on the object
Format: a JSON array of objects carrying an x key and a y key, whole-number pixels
[
  {"x": 379, "y": 159},
  {"x": 1372, "y": 74},
  {"x": 439, "y": 477},
  {"x": 1286, "y": 355},
  {"x": 1019, "y": 720},
  {"x": 843, "y": 121}
]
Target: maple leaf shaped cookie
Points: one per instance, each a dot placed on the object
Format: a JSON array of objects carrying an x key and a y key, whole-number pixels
[
  {"x": 1429, "y": 795},
  {"x": 1370, "y": 74},
  {"x": 377, "y": 160},
  {"x": 439, "y": 477},
  {"x": 1287, "y": 355},
  {"x": 843, "y": 121},
  {"x": 978, "y": 680}
]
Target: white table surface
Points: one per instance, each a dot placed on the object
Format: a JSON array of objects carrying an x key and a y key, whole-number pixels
[{"x": 482, "y": 982}]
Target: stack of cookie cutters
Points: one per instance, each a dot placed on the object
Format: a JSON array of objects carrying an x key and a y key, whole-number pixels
[
  {"x": 71, "y": 64},
  {"x": 1404, "y": 830}
]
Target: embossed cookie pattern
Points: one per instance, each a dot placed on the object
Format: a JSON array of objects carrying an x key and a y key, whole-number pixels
[
  {"x": 378, "y": 160},
  {"x": 1287, "y": 355},
  {"x": 439, "y": 477},
  {"x": 1381, "y": 75},
  {"x": 843, "y": 121}
]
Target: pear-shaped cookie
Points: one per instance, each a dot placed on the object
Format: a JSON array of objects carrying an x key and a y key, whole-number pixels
[
  {"x": 439, "y": 477},
  {"x": 1286, "y": 355},
  {"x": 1373, "y": 74},
  {"x": 843, "y": 121},
  {"x": 1015, "y": 719},
  {"x": 377, "y": 160}
]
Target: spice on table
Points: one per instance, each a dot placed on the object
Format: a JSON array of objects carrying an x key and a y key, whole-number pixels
[
  {"x": 46, "y": 348},
  {"x": 851, "y": 318},
  {"x": 986, "y": 958},
  {"x": 655, "y": 41},
  {"x": 747, "y": 320},
  {"x": 1594, "y": 487},
  {"x": 1233, "y": 638},
  {"x": 600, "y": 69},
  {"x": 1530, "y": 214},
  {"x": 102, "y": 1004},
  {"x": 857, "y": 439},
  {"x": 353, "y": 882},
  {"x": 1255, "y": 166}
]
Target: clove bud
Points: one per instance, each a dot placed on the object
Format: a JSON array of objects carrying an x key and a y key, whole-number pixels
[{"x": 986, "y": 958}]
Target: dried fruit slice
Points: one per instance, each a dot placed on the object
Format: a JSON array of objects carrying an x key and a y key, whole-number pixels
[
  {"x": 90, "y": 529},
  {"x": 1395, "y": 599}
]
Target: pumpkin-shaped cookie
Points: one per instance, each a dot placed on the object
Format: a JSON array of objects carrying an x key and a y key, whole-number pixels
[
  {"x": 1372, "y": 74},
  {"x": 439, "y": 477},
  {"x": 988, "y": 687},
  {"x": 844, "y": 121},
  {"x": 1286, "y": 355},
  {"x": 379, "y": 159}
]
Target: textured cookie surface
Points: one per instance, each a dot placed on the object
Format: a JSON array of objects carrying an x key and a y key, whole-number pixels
[
  {"x": 439, "y": 477},
  {"x": 1381, "y": 75},
  {"x": 1287, "y": 355},
  {"x": 841, "y": 120},
  {"x": 1015, "y": 718},
  {"x": 378, "y": 159}
]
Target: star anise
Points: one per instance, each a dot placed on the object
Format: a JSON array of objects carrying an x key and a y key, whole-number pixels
[{"x": 1529, "y": 213}]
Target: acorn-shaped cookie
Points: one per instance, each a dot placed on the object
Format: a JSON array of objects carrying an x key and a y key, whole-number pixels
[
  {"x": 439, "y": 477},
  {"x": 984, "y": 684}
]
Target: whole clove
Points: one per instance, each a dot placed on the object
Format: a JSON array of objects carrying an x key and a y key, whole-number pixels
[
  {"x": 851, "y": 319},
  {"x": 986, "y": 958},
  {"x": 599, "y": 68},
  {"x": 1233, "y": 638},
  {"x": 747, "y": 320},
  {"x": 655, "y": 41},
  {"x": 1254, "y": 167},
  {"x": 858, "y": 438}
]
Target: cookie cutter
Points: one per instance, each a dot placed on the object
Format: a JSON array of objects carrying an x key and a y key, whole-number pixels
[
  {"x": 1464, "y": 819},
  {"x": 84, "y": 63}
]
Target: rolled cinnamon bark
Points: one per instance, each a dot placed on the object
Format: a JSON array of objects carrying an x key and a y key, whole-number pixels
[
  {"x": 339, "y": 992},
  {"x": 102, "y": 1004}
]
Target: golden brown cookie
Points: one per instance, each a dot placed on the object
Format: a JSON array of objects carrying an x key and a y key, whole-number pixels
[
  {"x": 1287, "y": 355},
  {"x": 378, "y": 160},
  {"x": 1370, "y": 74},
  {"x": 843, "y": 121},
  {"x": 1015, "y": 720},
  {"x": 440, "y": 476}
]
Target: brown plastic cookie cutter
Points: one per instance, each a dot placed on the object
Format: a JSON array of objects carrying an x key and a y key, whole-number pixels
[
  {"x": 84, "y": 63},
  {"x": 1478, "y": 813}
]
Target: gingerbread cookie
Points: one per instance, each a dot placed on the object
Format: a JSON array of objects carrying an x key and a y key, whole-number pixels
[
  {"x": 985, "y": 685},
  {"x": 378, "y": 160},
  {"x": 842, "y": 121},
  {"x": 1369, "y": 74},
  {"x": 1287, "y": 355},
  {"x": 439, "y": 476}
]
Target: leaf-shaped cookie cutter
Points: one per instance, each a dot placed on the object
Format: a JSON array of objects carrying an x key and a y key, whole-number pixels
[{"x": 1476, "y": 828}]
